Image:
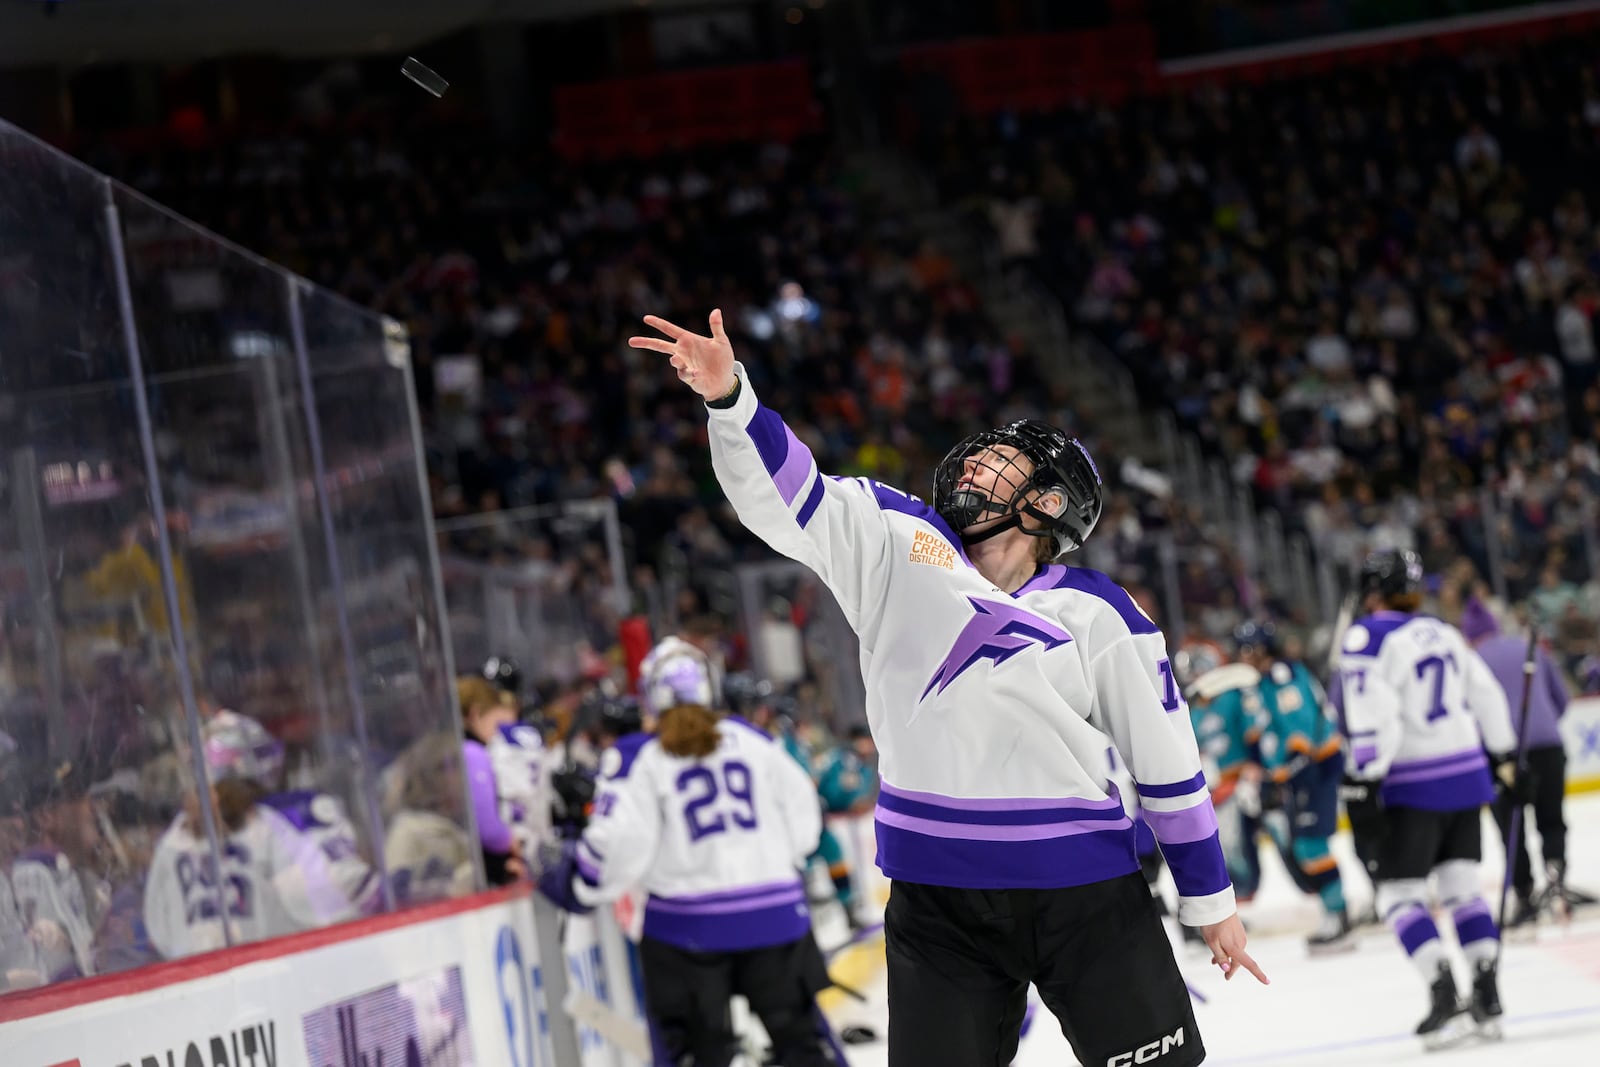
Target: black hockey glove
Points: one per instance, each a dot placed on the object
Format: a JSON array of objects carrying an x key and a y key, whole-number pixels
[
  {"x": 1363, "y": 803},
  {"x": 1512, "y": 783}
]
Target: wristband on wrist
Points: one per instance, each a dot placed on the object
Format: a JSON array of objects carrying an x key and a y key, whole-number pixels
[{"x": 728, "y": 399}]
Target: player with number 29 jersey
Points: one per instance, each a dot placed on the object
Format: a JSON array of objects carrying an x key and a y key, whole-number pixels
[{"x": 718, "y": 841}]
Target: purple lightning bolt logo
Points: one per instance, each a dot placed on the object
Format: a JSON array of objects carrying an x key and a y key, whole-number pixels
[{"x": 997, "y": 632}]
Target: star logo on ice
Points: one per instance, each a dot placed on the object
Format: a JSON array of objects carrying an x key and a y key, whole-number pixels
[{"x": 997, "y": 632}]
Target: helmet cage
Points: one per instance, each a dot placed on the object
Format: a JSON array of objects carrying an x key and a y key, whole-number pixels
[{"x": 1059, "y": 464}]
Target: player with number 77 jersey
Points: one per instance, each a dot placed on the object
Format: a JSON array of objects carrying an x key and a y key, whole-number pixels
[{"x": 1420, "y": 707}]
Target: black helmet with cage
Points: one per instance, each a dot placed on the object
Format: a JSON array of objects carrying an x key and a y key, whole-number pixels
[
  {"x": 1391, "y": 572},
  {"x": 503, "y": 674},
  {"x": 1060, "y": 464}
]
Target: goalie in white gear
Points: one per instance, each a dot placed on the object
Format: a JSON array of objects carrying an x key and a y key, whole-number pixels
[
  {"x": 290, "y": 860},
  {"x": 715, "y": 821}
]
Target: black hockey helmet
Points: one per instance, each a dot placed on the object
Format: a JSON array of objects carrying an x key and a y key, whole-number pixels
[
  {"x": 743, "y": 692},
  {"x": 1252, "y": 634},
  {"x": 1060, "y": 464},
  {"x": 1391, "y": 572},
  {"x": 618, "y": 716},
  {"x": 503, "y": 674}
]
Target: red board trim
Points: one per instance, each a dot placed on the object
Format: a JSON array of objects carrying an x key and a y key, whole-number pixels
[{"x": 47, "y": 999}]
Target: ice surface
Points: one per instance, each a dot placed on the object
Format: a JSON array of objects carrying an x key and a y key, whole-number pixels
[{"x": 1361, "y": 1006}]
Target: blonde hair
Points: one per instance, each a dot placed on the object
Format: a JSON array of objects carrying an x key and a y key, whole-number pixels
[
  {"x": 475, "y": 695},
  {"x": 688, "y": 730}
]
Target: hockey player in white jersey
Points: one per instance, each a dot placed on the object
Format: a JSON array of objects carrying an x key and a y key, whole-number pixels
[
  {"x": 995, "y": 680},
  {"x": 715, "y": 821},
  {"x": 290, "y": 861},
  {"x": 1421, "y": 707}
]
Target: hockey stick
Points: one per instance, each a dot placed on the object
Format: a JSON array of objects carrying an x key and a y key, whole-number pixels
[
  {"x": 627, "y": 1035},
  {"x": 1529, "y": 662}
]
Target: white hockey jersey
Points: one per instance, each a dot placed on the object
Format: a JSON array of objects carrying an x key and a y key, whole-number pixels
[
  {"x": 47, "y": 900},
  {"x": 718, "y": 843},
  {"x": 676, "y": 672},
  {"x": 277, "y": 879},
  {"x": 992, "y": 712},
  {"x": 1420, "y": 706},
  {"x": 518, "y": 758}
]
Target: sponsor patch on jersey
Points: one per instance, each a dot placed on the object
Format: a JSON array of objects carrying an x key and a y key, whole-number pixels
[
  {"x": 932, "y": 550},
  {"x": 610, "y": 763},
  {"x": 1356, "y": 638}
]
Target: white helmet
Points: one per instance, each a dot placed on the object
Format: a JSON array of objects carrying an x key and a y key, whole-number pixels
[{"x": 237, "y": 746}]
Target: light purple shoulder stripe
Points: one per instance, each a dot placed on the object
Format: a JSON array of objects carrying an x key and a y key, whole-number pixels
[
  {"x": 1178, "y": 827},
  {"x": 787, "y": 460}
]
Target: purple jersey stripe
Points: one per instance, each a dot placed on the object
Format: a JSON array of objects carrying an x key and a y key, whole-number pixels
[
  {"x": 727, "y": 907},
  {"x": 759, "y": 927},
  {"x": 743, "y": 892},
  {"x": 812, "y": 502},
  {"x": 1173, "y": 789},
  {"x": 1105, "y": 811},
  {"x": 1180, "y": 827},
  {"x": 960, "y": 806},
  {"x": 1365, "y": 753},
  {"x": 1045, "y": 579},
  {"x": 1437, "y": 761},
  {"x": 1458, "y": 792},
  {"x": 588, "y": 870},
  {"x": 1450, "y": 769},
  {"x": 1198, "y": 868},
  {"x": 981, "y": 832},
  {"x": 1051, "y": 863},
  {"x": 771, "y": 438}
]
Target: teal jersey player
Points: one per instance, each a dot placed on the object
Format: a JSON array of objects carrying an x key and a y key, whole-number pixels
[
  {"x": 846, "y": 781},
  {"x": 1298, "y": 750},
  {"x": 1226, "y": 709},
  {"x": 1298, "y": 727}
]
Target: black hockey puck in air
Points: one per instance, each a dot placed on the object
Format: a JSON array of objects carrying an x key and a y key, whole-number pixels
[{"x": 858, "y": 1035}]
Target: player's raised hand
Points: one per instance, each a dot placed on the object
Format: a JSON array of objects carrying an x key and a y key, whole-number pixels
[
  {"x": 1226, "y": 940},
  {"x": 704, "y": 364}
]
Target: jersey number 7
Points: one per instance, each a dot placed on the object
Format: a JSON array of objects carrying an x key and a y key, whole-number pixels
[
  {"x": 1436, "y": 664},
  {"x": 701, "y": 787}
]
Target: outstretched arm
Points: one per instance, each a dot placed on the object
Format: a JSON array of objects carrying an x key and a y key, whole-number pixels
[{"x": 835, "y": 526}]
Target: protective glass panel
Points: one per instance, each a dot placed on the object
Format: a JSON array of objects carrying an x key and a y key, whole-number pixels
[
  {"x": 233, "y": 450},
  {"x": 94, "y": 760},
  {"x": 397, "y": 659}
]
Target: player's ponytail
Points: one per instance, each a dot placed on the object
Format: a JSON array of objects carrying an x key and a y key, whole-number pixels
[{"x": 688, "y": 730}]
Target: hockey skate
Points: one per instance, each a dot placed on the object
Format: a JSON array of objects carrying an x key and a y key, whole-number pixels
[
  {"x": 1440, "y": 1028},
  {"x": 1485, "y": 1006},
  {"x": 1334, "y": 935},
  {"x": 1554, "y": 897}
]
